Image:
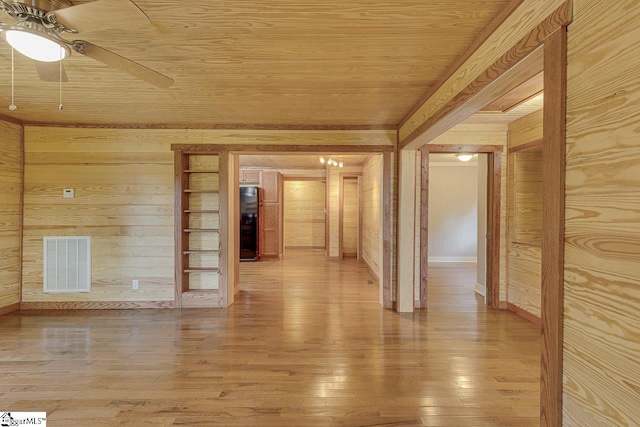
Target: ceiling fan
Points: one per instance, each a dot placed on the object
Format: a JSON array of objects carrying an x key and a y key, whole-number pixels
[{"x": 38, "y": 26}]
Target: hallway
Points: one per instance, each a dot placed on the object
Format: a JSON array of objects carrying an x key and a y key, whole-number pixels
[{"x": 306, "y": 343}]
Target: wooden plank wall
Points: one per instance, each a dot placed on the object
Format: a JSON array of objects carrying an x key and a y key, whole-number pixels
[
  {"x": 304, "y": 214},
  {"x": 525, "y": 215},
  {"x": 123, "y": 181},
  {"x": 11, "y": 188},
  {"x": 124, "y": 199},
  {"x": 372, "y": 215},
  {"x": 333, "y": 181},
  {"x": 602, "y": 234},
  {"x": 350, "y": 217}
]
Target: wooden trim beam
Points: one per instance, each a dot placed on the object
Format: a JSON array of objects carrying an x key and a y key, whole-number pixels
[
  {"x": 553, "y": 217},
  {"x": 195, "y": 126},
  {"x": 226, "y": 271},
  {"x": 280, "y": 149},
  {"x": 520, "y": 63},
  {"x": 424, "y": 228},
  {"x": 445, "y": 148},
  {"x": 521, "y": 312},
  {"x": 494, "y": 183},
  {"x": 527, "y": 146},
  {"x": 487, "y": 31},
  {"x": 19, "y": 122},
  {"x": 303, "y": 178},
  {"x": 327, "y": 207},
  {"x": 180, "y": 181},
  {"x": 9, "y": 309},
  {"x": 95, "y": 305},
  {"x": 341, "y": 177},
  {"x": 387, "y": 224}
]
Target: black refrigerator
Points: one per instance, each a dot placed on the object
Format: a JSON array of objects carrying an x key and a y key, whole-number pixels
[{"x": 249, "y": 217}]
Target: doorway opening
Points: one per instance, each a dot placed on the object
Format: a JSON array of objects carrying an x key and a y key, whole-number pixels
[
  {"x": 457, "y": 224},
  {"x": 350, "y": 215},
  {"x": 337, "y": 211}
]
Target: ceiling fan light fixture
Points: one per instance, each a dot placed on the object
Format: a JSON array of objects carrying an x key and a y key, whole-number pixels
[{"x": 37, "y": 45}]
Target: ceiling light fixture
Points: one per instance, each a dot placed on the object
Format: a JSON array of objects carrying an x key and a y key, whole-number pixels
[
  {"x": 332, "y": 162},
  {"x": 464, "y": 157},
  {"x": 35, "y": 41}
]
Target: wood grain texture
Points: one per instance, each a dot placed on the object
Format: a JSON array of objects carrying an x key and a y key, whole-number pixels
[
  {"x": 601, "y": 354},
  {"x": 271, "y": 214},
  {"x": 424, "y": 228},
  {"x": 11, "y": 180},
  {"x": 304, "y": 203},
  {"x": 95, "y": 305},
  {"x": 524, "y": 286},
  {"x": 125, "y": 206},
  {"x": 526, "y": 130},
  {"x": 482, "y": 37},
  {"x": 553, "y": 218},
  {"x": 406, "y": 231},
  {"x": 522, "y": 23},
  {"x": 524, "y": 314},
  {"x": 283, "y": 355},
  {"x": 388, "y": 225},
  {"x": 525, "y": 213},
  {"x": 518, "y": 96},
  {"x": 521, "y": 63},
  {"x": 357, "y": 64},
  {"x": 494, "y": 233},
  {"x": 333, "y": 213},
  {"x": 350, "y": 222},
  {"x": 527, "y": 191},
  {"x": 372, "y": 228},
  {"x": 181, "y": 205}
]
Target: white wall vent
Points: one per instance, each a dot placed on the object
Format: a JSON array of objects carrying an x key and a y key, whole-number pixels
[{"x": 67, "y": 264}]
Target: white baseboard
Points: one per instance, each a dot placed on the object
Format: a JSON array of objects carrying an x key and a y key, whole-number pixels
[
  {"x": 480, "y": 289},
  {"x": 452, "y": 259}
]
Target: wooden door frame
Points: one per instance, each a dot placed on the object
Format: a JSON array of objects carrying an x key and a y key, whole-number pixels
[
  {"x": 549, "y": 37},
  {"x": 386, "y": 151},
  {"x": 494, "y": 179},
  {"x": 341, "y": 177}
]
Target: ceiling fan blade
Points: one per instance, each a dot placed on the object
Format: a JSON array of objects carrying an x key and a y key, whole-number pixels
[
  {"x": 121, "y": 63},
  {"x": 101, "y": 15},
  {"x": 50, "y": 71}
]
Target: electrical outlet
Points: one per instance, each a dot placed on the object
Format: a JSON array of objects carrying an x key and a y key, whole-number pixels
[{"x": 135, "y": 284}]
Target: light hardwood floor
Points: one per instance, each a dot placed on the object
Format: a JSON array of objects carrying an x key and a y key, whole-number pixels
[{"x": 305, "y": 344}]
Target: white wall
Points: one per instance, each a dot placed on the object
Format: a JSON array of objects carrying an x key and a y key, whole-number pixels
[
  {"x": 483, "y": 170},
  {"x": 453, "y": 215}
]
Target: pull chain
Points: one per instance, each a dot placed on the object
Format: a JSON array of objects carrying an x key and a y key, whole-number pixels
[
  {"x": 60, "y": 106},
  {"x": 12, "y": 106}
]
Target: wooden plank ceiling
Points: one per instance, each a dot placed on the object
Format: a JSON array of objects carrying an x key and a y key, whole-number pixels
[
  {"x": 275, "y": 63},
  {"x": 300, "y": 161}
]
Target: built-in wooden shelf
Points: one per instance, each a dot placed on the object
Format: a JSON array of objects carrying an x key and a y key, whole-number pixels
[
  {"x": 200, "y": 251},
  {"x": 200, "y": 298},
  {"x": 201, "y": 270},
  {"x": 187, "y": 209},
  {"x": 202, "y": 211},
  {"x": 200, "y": 191},
  {"x": 199, "y": 171}
]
